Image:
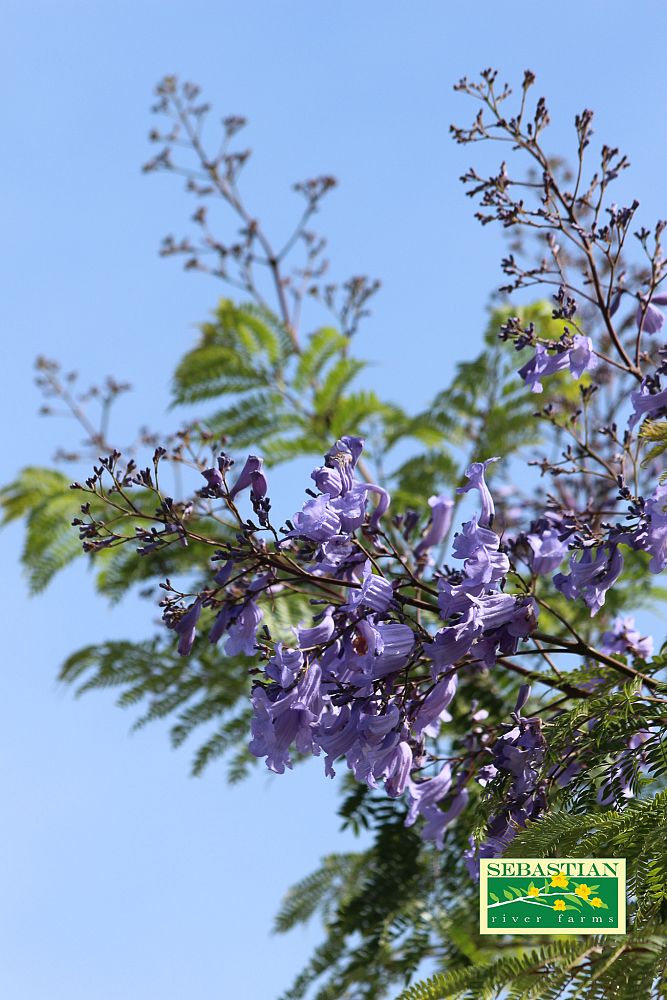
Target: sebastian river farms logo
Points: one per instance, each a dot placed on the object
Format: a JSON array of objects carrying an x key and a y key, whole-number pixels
[{"x": 552, "y": 896}]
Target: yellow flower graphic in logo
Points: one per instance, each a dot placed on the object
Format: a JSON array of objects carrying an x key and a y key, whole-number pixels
[
  {"x": 559, "y": 904},
  {"x": 533, "y": 891},
  {"x": 560, "y": 881},
  {"x": 583, "y": 890},
  {"x": 596, "y": 901}
]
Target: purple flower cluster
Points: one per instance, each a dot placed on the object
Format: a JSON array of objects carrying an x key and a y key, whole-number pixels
[
  {"x": 546, "y": 547},
  {"x": 649, "y": 533},
  {"x": 343, "y": 690},
  {"x": 656, "y": 529},
  {"x": 366, "y": 681},
  {"x": 647, "y": 401},
  {"x": 625, "y": 640},
  {"x": 481, "y": 620},
  {"x": 341, "y": 506},
  {"x": 577, "y": 359},
  {"x": 592, "y": 573},
  {"x": 517, "y": 758}
]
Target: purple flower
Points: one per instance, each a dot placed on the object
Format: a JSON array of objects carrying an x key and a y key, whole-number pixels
[
  {"x": 427, "y": 793},
  {"x": 282, "y": 720},
  {"x": 186, "y": 627},
  {"x": 243, "y": 632},
  {"x": 581, "y": 356},
  {"x": 485, "y": 568},
  {"x": 307, "y": 638},
  {"x": 328, "y": 480},
  {"x": 625, "y": 639},
  {"x": 381, "y": 507},
  {"x": 371, "y": 742},
  {"x": 547, "y": 551},
  {"x": 520, "y": 752},
  {"x": 316, "y": 520},
  {"x": 395, "y": 640},
  {"x": 342, "y": 505},
  {"x": 475, "y": 473},
  {"x": 355, "y": 657},
  {"x": 375, "y": 592},
  {"x": 343, "y": 457},
  {"x": 486, "y": 774},
  {"x": 213, "y": 478},
  {"x": 377, "y": 650},
  {"x": 452, "y": 643},
  {"x": 591, "y": 576},
  {"x": 221, "y": 623},
  {"x": 424, "y": 798},
  {"x": 539, "y": 365},
  {"x": 337, "y": 733},
  {"x": 653, "y": 318},
  {"x": 437, "y": 821},
  {"x": 395, "y": 768},
  {"x": 518, "y": 615},
  {"x": 622, "y": 777},
  {"x": 578, "y": 358},
  {"x": 472, "y": 537},
  {"x": 224, "y": 573},
  {"x": 645, "y": 403},
  {"x": 339, "y": 557},
  {"x": 435, "y": 703},
  {"x": 656, "y": 539},
  {"x": 251, "y": 477},
  {"x": 442, "y": 508},
  {"x": 372, "y": 724},
  {"x": 285, "y": 665},
  {"x": 350, "y": 507}
]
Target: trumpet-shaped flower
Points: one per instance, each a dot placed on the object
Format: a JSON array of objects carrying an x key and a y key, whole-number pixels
[
  {"x": 649, "y": 318},
  {"x": 591, "y": 576},
  {"x": 441, "y": 519},
  {"x": 578, "y": 358},
  {"x": 476, "y": 481}
]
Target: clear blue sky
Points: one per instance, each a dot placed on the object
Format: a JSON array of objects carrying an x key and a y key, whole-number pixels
[{"x": 119, "y": 875}]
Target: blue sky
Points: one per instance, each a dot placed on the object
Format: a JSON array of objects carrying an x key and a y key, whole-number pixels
[{"x": 120, "y": 875}]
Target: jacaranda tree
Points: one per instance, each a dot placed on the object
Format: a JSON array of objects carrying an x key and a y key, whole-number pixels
[{"x": 447, "y": 616}]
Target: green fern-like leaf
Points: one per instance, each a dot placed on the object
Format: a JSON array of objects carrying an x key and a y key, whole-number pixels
[{"x": 44, "y": 499}]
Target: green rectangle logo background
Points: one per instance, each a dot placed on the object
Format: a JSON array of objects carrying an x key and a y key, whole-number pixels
[{"x": 517, "y": 897}]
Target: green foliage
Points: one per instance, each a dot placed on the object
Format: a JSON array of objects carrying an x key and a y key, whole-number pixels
[
  {"x": 319, "y": 891},
  {"x": 197, "y": 691},
  {"x": 292, "y": 404},
  {"x": 373, "y": 904},
  {"x": 43, "y": 498},
  {"x": 654, "y": 432},
  {"x": 287, "y": 402},
  {"x": 485, "y": 410},
  {"x": 238, "y": 352},
  {"x": 590, "y": 967},
  {"x": 487, "y": 980},
  {"x": 637, "y": 833}
]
